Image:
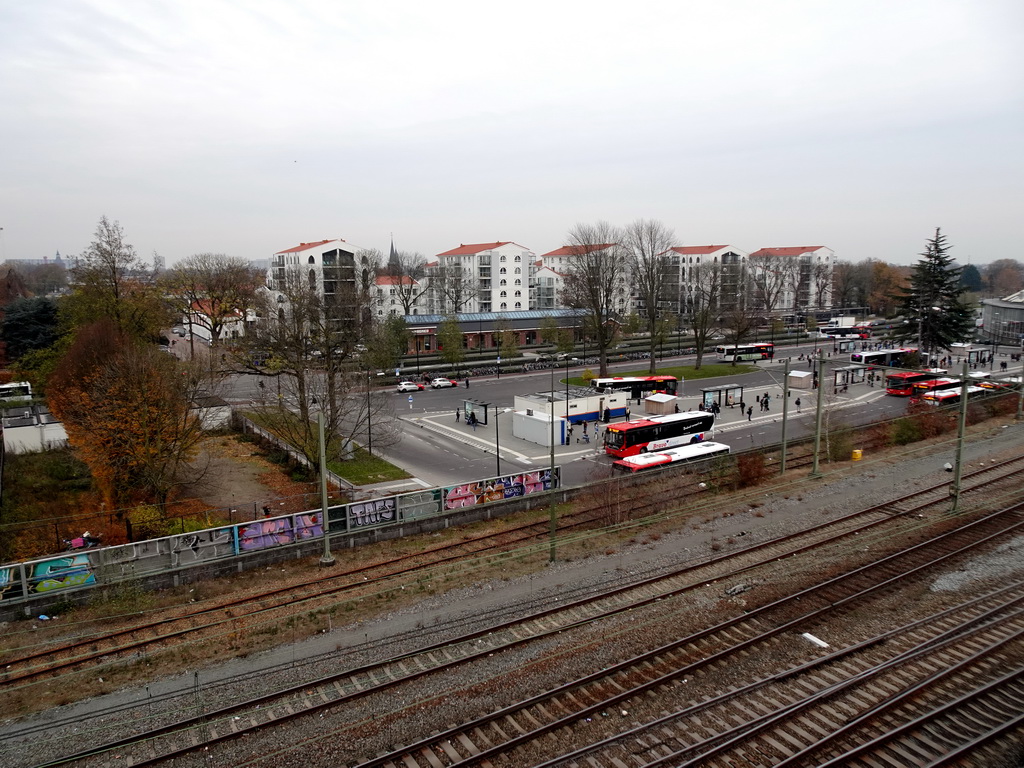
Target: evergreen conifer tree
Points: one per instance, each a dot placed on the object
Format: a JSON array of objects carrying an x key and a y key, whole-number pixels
[{"x": 935, "y": 313}]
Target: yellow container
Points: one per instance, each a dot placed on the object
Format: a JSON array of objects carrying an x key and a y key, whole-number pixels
[{"x": 857, "y": 454}]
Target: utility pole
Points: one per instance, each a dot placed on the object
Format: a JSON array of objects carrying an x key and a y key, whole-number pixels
[
  {"x": 327, "y": 559},
  {"x": 552, "y": 508},
  {"x": 818, "y": 410},
  {"x": 785, "y": 413},
  {"x": 954, "y": 491}
]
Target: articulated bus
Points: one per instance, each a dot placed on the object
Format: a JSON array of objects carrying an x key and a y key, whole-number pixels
[
  {"x": 901, "y": 383},
  {"x": 761, "y": 350},
  {"x": 922, "y": 388},
  {"x": 656, "y": 433},
  {"x": 688, "y": 454},
  {"x": 883, "y": 357},
  {"x": 949, "y": 396},
  {"x": 637, "y": 386}
]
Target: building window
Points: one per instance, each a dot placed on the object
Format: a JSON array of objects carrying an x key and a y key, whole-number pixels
[
  {"x": 502, "y": 271},
  {"x": 502, "y": 258},
  {"x": 312, "y": 260},
  {"x": 518, "y": 294},
  {"x": 503, "y": 294},
  {"x": 503, "y": 305},
  {"x": 519, "y": 271},
  {"x": 519, "y": 258},
  {"x": 502, "y": 281},
  {"x": 519, "y": 305}
]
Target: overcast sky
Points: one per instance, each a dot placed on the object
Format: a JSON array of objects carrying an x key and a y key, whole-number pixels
[{"x": 247, "y": 127}]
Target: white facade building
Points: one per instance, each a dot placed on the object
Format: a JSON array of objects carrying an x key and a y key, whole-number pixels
[
  {"x": 686, "y": 264},
  {"x": 483, "y": 277},
  {"x": 561, "y": 261},
  {"x": 806, "y": 277},
  {"x": 391, "y": 295}
]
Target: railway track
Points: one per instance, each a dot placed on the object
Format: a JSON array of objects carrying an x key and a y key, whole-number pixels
[
  {"x": 191, "y": 624},
  {"x": 523, "y": 733},
  {"x": 231, "y": 722}
]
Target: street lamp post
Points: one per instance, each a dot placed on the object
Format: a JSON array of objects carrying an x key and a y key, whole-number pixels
[
  {"x": 369, "y": 422},
  {"x": 327, "y": 559},
  {"x": 497, "y": 444}
]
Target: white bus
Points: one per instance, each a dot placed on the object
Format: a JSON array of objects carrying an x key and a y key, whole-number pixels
[{"x": 684, "y": 455}]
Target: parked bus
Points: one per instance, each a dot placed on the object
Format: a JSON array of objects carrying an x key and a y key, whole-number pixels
[
  {"x": 688, "y": 454},
  {"x": 901, "y": 383},
  {"x": 761, "y": 350},
  {"x": 949, "y": 396},
  {"x": 657, "y": 433},
  {"x": 16, "y": 390},
  {"x": 883, "y": 357},
  {"x": 637, "y": 386}
]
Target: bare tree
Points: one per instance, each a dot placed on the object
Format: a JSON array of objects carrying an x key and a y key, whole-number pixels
[
  {"x": 703, "y": 304},
  {"x": 455, "y": 286},
  {"x": 647, "y": 241},
  {"x": 595, "y": 280},
  {"x": 407, "y": 271},
  {"x": 212, "y": 290},
  {"x": 738, "y": 327},
  {"x": 303, "y": 343},
  {"x": 112, "y": 282},
  {"x": 770, "y": 276},
  {"x": 821, "y": 279}
]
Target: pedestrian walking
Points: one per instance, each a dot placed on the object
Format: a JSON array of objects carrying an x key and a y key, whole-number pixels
[
  {"x": 750, "y": 411},
  {"x": 627, "y": 413},
  {"x": 798, "y": 405},
  {"x": 472, "y": 421},
  {"x": 743, "y": 408},
  {"x": 569, "y": 431},
  {"x": 457, "y": 411}
]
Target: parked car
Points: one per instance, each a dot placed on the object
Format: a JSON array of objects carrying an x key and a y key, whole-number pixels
[
  {"x": 409, "y": 386},
  {"x": 178, "y": 330},
  {"x": 442, "y": 382}
]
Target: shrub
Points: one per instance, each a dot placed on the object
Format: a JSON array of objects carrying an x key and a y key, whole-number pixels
[
  {"x": 840, "y": 444},
  {"x": 751, "y": 469},
  {"x": 906, "y": 430}
]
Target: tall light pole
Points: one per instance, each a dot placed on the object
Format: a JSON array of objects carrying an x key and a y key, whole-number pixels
[
  {"x": 369, "y": 422},
  {"x": 327, "y": 559},
  {"x": 551, "y": 474}
]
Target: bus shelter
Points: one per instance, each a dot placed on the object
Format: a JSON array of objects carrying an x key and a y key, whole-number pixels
[
  {"x": 848, "y": 374},
  {"x": 724, "y": 395}
]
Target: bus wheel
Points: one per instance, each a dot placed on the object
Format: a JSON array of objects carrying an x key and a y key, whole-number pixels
[{"x": 644, "y": 449}]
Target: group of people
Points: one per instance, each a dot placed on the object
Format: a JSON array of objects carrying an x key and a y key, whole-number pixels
[{"x": 471, "y": 419}]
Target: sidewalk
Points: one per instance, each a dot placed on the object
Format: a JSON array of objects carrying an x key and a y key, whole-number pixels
[{"x": 729, "y": 419}]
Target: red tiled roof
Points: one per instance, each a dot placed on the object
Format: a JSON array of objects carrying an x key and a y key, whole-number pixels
[
  {"x": 572, "y": 250},
  {"x": 696, "y": 250},
  {"x": 787, "y": 251},
  {"x": 305, "y": 246},
  {"x": 394, "y": 280},
  {"x": 469, "y": 250}
]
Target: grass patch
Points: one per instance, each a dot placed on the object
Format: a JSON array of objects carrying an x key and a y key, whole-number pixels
[
  {"x": 688, "y": 372},
  {"x": 363, "y": 469}
]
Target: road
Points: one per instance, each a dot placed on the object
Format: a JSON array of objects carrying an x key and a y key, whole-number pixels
[{"x": 437, "y": 451}]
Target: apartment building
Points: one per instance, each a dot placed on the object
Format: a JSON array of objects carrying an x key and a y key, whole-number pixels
[{"x": 482, "y": 277}]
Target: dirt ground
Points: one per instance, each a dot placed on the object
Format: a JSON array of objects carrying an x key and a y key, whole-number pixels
[{"x": 231, "y": 475}]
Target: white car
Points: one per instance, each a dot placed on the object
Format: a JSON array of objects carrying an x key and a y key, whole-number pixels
[
  {"x": 442, "y": 382},
  {"x": 409, "y": 386}
]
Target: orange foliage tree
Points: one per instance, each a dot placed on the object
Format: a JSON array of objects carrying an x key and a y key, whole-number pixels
[{"x": 129, "y": 411}]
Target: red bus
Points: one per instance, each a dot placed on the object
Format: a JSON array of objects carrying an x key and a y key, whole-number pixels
[
  {"x": 637, "y": 386},
  {"x": 902, "y": 383},
  {"x": 657, "y": 433},
  {"x": 933, "y": 385},
  {"x": 685, "y": 455},
  {"x": 949, "y": 396}
]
